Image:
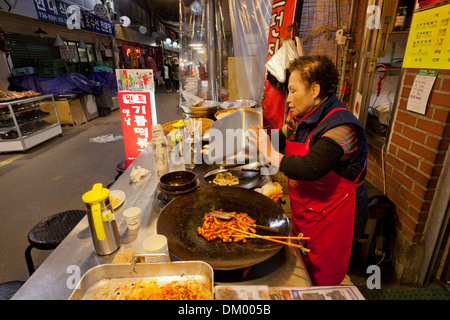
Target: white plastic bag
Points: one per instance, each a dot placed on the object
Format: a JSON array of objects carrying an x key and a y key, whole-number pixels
[{"x": 279, "y": 62}]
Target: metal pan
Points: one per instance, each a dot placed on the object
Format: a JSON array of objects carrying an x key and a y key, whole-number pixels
[
  {"x": 179, "y": 220},
  {"x": 178, "y": 180},
  {"x": 105, "y": 275},
  {"x": 247, "y": 179}
]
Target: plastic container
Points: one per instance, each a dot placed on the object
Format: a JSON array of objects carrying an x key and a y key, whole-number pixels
[
  {"x": 55, "y": 64},
  {"x": 23, "y": 71}
]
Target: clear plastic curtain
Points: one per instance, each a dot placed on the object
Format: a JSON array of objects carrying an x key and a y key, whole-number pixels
[{"x": 250, "y": 20}]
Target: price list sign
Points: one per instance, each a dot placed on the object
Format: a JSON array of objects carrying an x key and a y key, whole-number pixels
[
  {"x": 137, "y": 116},
  {"x": 420, "y": 91},
  {"x": 429, "y": 39}
]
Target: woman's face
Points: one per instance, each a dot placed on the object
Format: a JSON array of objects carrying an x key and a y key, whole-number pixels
[{"x": 301, "y": 99}]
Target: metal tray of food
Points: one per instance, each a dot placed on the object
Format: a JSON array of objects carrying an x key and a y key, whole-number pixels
[{"x": 179, "y": 280}]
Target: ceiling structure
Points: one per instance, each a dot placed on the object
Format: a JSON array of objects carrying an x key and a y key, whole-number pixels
[{"x": 167, "y": 9}]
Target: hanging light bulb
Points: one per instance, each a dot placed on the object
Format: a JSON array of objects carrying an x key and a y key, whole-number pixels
[
  {"x": 59, "y": 42},
  {"x": 82, "y": 44}
]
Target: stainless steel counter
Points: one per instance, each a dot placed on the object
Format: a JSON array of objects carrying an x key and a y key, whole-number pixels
[{"x": 57, "y": 276}]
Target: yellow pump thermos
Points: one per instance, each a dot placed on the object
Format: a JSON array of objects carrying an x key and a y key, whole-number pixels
[{"x": 102, "y": 223}]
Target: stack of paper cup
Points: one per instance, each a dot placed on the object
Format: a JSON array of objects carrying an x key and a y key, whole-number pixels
[
  {"x": 157, "y": 245},
  {"x": 133, "y": 217}
]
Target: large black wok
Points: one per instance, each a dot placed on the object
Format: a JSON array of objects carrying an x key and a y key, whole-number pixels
[{"x": 179, "y": 220}]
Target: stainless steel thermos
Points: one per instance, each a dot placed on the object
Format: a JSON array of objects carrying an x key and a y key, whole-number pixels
[{"x": 102, "y": 223}]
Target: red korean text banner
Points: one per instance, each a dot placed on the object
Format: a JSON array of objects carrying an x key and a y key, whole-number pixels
[
  {"x": 136, "y": 116},
  {"x": 283, "y": 15}
]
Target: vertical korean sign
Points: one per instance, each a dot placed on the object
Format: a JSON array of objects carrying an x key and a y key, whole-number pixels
[
  {"x": 137, "y": 111},
  {"x": 283, "y": 14}
]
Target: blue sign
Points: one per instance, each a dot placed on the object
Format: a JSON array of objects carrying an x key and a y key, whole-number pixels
[{"x": 72, "y": 16}]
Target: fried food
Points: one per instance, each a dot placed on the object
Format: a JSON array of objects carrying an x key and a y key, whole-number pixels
[
  {"x": 273, "y": 190},
  {"x": 114, "y": 201},
  {"x": 130, "y": 289},
  {"x": 124, "y": 256},
  {"x": 214, "y": 227},
  {"x": 226, "y": 179}
]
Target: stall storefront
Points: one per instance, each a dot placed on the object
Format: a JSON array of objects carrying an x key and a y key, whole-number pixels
[{"x": 73, "y": 65}]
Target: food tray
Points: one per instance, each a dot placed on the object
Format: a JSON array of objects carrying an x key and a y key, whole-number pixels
[
  {"x": 206, "y": 124},
  {"x": 99, "y": 279}
]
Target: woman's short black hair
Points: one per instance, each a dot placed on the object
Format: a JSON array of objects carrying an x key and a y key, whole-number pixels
[{"x": 318, "y": 69}]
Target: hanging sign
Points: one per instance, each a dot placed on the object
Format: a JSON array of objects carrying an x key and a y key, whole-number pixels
[
  {"x": 72, "y": 16},
  {"x": 135, "y": 80},
  {"x": 138, "y": 114},
  {"x": 420, "y": 91},
  {"x": 425, "y": 3},
  {"x": 283, "y": 14},
  {"x": 69, "y": 53},
  {"x": 429, "y": 39}
]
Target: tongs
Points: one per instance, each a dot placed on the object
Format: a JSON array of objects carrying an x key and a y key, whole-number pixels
[
  {"x": 228, "y": 216},
  {"x": 254, "y": 166}
]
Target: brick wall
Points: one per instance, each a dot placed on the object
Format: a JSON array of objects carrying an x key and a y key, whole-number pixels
[
  {"x": 409, "y": 169},
  {"x": 414, "y": 155}
]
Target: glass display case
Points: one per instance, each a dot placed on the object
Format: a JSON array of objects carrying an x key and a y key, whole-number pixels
[{"x": 25, "y": 123}]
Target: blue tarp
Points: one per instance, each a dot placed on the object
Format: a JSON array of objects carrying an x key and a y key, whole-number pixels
[
  {"x": 106, "y": 79},
  {"x": 67, "y": 83}
]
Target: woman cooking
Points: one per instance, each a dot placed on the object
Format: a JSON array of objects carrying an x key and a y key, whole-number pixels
[{"x": 323, "y": 155}]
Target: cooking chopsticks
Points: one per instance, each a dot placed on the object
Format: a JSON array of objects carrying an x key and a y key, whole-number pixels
[{"x": 273, "y": 238}]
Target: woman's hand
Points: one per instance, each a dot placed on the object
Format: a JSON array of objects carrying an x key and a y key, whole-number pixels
[{"x": 261, "y": 139}]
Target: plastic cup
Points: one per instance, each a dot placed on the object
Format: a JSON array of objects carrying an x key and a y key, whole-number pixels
[
  {"x": 156, "y": 244},
  {"x": 133, "y": 217}
]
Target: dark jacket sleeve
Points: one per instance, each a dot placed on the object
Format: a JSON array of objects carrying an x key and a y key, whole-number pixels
[
  {"x": 278, "y": 141},
  {"x": 320, "y": 160}
]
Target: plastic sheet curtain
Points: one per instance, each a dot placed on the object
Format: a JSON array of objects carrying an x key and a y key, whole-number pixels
[{"x": 250, "y": 21}]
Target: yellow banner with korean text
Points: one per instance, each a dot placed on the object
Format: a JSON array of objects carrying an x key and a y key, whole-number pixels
[{"x": 429, "y": 40}]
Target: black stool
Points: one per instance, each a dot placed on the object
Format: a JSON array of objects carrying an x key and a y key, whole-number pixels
[
  {"x": 120, "y": 168},
  {"x": 50, "y": 232},
  {"x": 8, "y": 289}
]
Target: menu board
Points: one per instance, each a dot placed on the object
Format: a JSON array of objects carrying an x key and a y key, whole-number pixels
[{"x": 429, "y": 40}]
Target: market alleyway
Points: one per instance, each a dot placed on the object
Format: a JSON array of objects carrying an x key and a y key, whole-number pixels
[{"x": 52, "y": 177}]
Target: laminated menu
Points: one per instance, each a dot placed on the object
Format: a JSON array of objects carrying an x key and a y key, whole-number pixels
[{"x": 262, "y": 292}]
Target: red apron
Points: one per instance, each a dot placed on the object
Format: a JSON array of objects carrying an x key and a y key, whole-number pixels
[{"x": 325, "y": 211}]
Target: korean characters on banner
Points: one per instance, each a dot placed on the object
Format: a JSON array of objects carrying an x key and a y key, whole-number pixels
[
  {"x": 138, "y": 114},
  {"x": 137, "y": 109}
]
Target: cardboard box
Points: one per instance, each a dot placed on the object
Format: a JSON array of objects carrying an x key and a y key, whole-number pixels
[
  {"x": 70, "y": 111},
  {"x": 89, "y": 106}
]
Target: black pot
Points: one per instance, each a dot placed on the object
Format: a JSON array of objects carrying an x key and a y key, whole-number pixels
[{"x": 178, "y": 181}]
